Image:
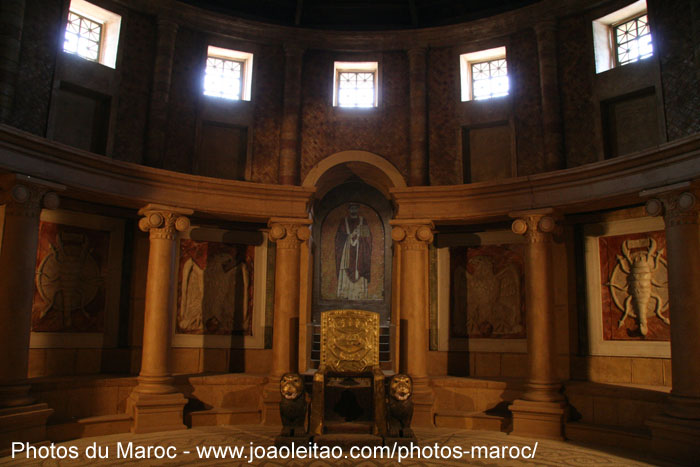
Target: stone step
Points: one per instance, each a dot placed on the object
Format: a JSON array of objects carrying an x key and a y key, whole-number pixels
[
  {"x": 91, "y": 426},
  {"x": 348, "y": 427},
  {"x": 347, "y": 441},
  {"x": 472, "y": 421},
  {"x": 226, "y": 416},
  {"x": 638, "y": 439}
]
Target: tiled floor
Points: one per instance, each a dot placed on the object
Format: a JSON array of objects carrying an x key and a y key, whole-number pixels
[{"x": 554, "y": 453}]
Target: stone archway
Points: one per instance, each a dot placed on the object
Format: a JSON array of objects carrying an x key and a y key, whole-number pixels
[{"x": 337, "y": 168}]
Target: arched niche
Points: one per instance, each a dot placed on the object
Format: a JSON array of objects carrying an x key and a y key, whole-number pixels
[
  {"x": 352, "y": 250},
  {"x": 343, "y": 166},
  {"x": 344, "y": 179}
]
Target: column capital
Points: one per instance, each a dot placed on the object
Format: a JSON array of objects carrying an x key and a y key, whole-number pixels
[
  {"x": 678, "y": 204},
  {"x": 536, "y": 225},
  {"x": 26, "y": 196},
  {"x": 412, "y": 234},
  {"x": 289, "y": 232},
  {"x": 164, "y": 222}
]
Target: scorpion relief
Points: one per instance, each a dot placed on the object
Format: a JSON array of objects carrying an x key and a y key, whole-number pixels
[{"x": 639, "y": 283}]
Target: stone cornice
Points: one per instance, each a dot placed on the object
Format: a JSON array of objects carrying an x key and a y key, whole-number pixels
[
  {"x": 601, "y": 185},
  {"x": 101, "y": 179}
]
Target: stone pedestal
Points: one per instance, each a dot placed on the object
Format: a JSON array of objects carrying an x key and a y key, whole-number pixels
[
  {"x": 538, "y": 419},
  {"x": 155, "y": 404},
  {"x": 676, "y": 434},
  {"x": 414, "y": 237},
  {"x": 541, "y": 410},
  {"x": 423, "y": 401},
  {"x": 23, "y": 198},
  {"x": 675, "y": 438},
  {"x": 271, "y": 404}
]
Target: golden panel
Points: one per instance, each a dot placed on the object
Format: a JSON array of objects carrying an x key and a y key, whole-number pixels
[{"x": 349, "y": 340}]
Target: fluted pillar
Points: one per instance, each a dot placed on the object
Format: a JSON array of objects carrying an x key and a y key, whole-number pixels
[
  {"x": 289, "y": 136},
  {"x": 418, "y": 162},
  {"x": 23, "y": 198},
  {"x": 541, "y": 409},
  {"x": 155, "y": 404},
  {"x": 413, "y": 237},
  {"x": 546, "y": 32},
  {"x": 288, "y": 234},
  {"x": 160, "y": 92},
  {"x": 11, "y": 25},
  {"x": 677, "y": 432}
]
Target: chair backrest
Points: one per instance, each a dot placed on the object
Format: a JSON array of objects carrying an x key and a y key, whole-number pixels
[{"x": 349, "y": 340}]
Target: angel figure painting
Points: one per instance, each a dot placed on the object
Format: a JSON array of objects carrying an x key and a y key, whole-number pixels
[
  {"x": 487, "y": 292},
  {"x": 215, "y": 290}
]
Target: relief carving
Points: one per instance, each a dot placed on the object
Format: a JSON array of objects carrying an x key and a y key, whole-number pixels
[
  {"x": 639, "y": 283},
  {"x": 487, "y": 293},
  {"x": 72, "y": 276},
  {"x": 68, "y": 279},
  {"x": 215, "y": 288},
  {"x": 350, "y": 340},
  {"x": 493, "y": 298}
]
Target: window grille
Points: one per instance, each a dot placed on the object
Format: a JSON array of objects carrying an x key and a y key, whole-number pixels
[
  {"x": 224, "y": 78},
  {"x": 356, "y": 89},
  {"x": 83, "y": 37},
  {"x": 633, "y": 40},
  {"x": 489, "y": 79}
]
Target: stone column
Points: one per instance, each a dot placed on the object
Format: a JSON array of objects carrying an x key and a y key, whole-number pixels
[
  {"x": 289, "y": 137},
  {"x": 288, "y": 234},
  {"x": 677, "y": 432},
  {"x": 540, "y": 412},
  {"x": 155, "y": 404},
  {"x": 23, "y": 199},
  {"x": 11, "y": 24},
  {"x": 418, "y": 163},
  {"x": 546, "y": 32},
  {"x": 160, "y": 92},
  {"x": 414, "y": 237}
]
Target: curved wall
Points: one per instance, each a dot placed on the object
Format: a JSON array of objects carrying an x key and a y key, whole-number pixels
[{"x": 154, "y": 112}]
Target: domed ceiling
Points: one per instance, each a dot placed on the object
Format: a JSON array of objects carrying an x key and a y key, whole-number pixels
[{"x": 360, "y": 15}]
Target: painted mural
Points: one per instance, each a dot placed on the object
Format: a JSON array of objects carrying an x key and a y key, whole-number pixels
[
  {"x": 215, "y": 290},
  {"x": 71, "y": 272},
  {"x": 487, "y": 295},
  {"x": 352, "y": 254},
  {"x": 634, "y": 287}
]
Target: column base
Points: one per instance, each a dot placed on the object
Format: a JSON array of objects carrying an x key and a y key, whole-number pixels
[
  {"x": 675, "y": 439},
  {"x": 423, "y": 401},
  {"x": 156, "y": 412},
  {"x": 271, "y": 404},
  {"x": 538, "y": 419},
  {"x": 26, "y": 424}
]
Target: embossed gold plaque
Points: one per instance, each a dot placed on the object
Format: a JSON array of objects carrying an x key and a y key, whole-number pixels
[{"x": 349, "y": 340}]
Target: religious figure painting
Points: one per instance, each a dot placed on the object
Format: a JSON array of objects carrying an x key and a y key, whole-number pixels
[
  {"x": 352, "y": 254},
  {"x": 487, "y": 292},
  {"x": 215, "y": 292},
  {"x": 634, "y": 287},
  {"x": 70, "y": 282}
]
